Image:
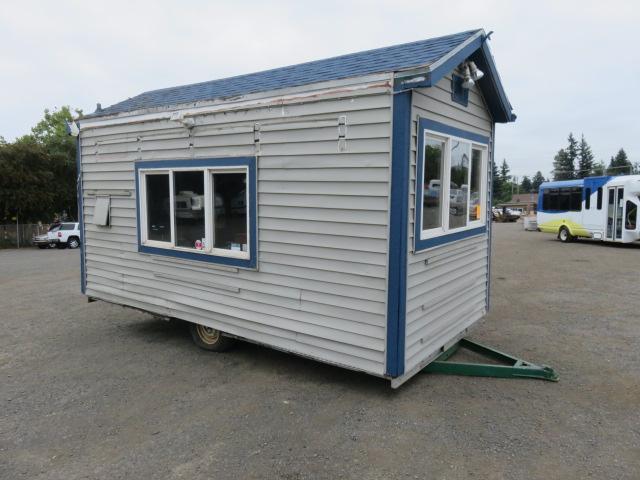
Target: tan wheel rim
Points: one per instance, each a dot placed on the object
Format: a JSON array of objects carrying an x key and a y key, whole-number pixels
[{"x": 208, "y": 335}]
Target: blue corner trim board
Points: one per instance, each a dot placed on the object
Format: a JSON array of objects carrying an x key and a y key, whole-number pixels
[
  {"x": 431, "y": 125},
  {"x": 79, "y": 194},
  {"x": 249, "y": 162},
  {"x": 398, "y": 231}
]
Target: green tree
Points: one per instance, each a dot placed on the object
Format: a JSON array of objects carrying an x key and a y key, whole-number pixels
[
  {"x": 496, "y": 183},
  {"x": 585, "y": 159},
  {"x": 620, "y": 164},
  {"x": 537, "y": 180},
  {"x": 572, "y": 151},
  {"x": 562, "y": 166},
  {"x": 599, "y": 169},
  {"x": 26, "y": 182},
  {"x": 526, "y": 185},
  {"x": 51, "y": 134},
  {"x": 504, "y": 193}
]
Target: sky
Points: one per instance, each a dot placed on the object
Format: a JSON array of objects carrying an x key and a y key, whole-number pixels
[{"x": 567, "y": 66}]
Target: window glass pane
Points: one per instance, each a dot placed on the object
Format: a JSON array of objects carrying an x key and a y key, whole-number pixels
[
  {"x": 619, "y": 206},
  {"x": 599, "y": 201},
  {"x": 230, "y": 211},
  {"x": 475, "y": 210},
  {"x": 587, "y": 199},
  {"x": 632, "y": 215},
  {"x": 432, "y": 185},
  {"x": 575, "y": 199},
  {"x": 188, "y": 188},
  {"x": 158, "y": 208},
  {"x": 459, "y": 187},
  {"x": 564, "y": 200}
]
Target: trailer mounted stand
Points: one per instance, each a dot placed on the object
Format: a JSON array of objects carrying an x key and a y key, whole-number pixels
[{"x": 511, "y": 367}]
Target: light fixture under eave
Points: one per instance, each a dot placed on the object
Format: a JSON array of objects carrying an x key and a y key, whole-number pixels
[
  {"x": 468, "y": 81},
  {"x": 476, "y": 73}
]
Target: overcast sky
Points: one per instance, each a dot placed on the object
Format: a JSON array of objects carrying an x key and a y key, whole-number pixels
[{"x": 566, "y": 65}]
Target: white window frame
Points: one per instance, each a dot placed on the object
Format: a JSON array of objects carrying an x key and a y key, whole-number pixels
[
  {"x": 446, "y": 185},
  {"x": 209, "y": 210}
]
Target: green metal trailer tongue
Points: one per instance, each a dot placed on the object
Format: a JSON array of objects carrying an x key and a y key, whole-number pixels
[{"x": 510, "y": 367}]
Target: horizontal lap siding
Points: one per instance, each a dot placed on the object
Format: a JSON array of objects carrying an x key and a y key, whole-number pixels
[
  {"x": 320, "y": 289},
  {"x": 447, "y": 294}
]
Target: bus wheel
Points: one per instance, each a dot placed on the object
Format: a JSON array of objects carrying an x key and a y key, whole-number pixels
[
  {"x": 564, "y": 235},
  {"x": 210, "y": 338}
]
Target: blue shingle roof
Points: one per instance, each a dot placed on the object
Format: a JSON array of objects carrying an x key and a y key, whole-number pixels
[{"x": 388, "y": 59}]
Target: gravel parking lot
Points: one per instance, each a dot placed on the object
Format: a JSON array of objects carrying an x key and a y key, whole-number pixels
[{"x": 92, "y": 390}]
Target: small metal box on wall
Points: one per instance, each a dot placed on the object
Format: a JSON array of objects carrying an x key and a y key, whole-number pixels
[{"x": 336, "y": 209}]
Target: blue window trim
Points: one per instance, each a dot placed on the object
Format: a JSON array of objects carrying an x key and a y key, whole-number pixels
[
  {"x": 398, "y": 234},
  {"x": 459, "y": 94},
  {"x": 432, "y": 125},
  {"x": 252, "y": 185}
]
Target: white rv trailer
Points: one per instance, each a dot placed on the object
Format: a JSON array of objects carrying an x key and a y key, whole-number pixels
[
  {"x": 292, "y": 207},
  {"x": 602, "y": 208}
]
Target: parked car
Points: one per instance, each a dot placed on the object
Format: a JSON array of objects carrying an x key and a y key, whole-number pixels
[
  {"x": 49, "y": 239},
  {"x": 68, "y": 235}
]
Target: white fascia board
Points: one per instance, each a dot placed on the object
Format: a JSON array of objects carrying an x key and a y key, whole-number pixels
[{"x": 310, "y": 92}]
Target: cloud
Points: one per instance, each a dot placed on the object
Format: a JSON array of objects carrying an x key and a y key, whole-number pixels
[{"x": 567, "y": 66}]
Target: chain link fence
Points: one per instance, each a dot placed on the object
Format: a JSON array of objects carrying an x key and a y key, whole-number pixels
[{"x": 20, "y": 235}]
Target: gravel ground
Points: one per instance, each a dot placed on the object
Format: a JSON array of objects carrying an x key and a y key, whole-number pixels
[{"x": 91, "y": 390}]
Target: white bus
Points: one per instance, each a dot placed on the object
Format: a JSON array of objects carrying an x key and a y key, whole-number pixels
[{"x": 602, "y": 208}]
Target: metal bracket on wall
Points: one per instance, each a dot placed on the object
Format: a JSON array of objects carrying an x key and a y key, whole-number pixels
[
  {"x": 511, "y": 367},
  {"x": 256, "y": 137},
  {"x": 342, "y": 133}
]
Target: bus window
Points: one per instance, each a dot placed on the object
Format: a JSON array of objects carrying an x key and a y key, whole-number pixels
[
  {"x": 587, "y": 199},
  {"x": 632, "y": 216},
  {"x": 575, "y": 199},
  {"x": 564, "y": 200},
  {"x": 599, "y": 198}
]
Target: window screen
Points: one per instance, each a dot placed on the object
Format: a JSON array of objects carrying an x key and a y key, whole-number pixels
[
  {"x": 459, "y": 188},
  {"x": 189, "y": 209},
  {"x": 101, "y": 211},
  {"x": 476, "y": 179},
  {"x": 432, "y": 192},
  {"x": 230, "y": 211},
  {"x": 158, "y": 207}
]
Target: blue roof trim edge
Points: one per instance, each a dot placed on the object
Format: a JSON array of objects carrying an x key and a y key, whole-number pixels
[
  {"x": 249, "y": 162},
  {"x": 398, "y": 234}
]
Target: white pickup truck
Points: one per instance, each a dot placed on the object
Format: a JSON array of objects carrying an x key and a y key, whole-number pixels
[{"x": 64, "y": 235}]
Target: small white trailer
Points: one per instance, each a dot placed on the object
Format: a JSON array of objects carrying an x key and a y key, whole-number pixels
[{"x": 336, "y": 209}]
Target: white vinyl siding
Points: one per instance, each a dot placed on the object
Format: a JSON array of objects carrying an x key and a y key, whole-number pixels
[
  {"x": 449, "y": 293},
  {"x": 320, "y": 287}
]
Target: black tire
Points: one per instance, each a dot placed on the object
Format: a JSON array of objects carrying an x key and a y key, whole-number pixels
[
  {"x": 42, "y": 247},
  {"x": 564, "y": 236},
  {"x": 73, "y": 242},
  {"x": 209, "y": 338},
  {"x": 61, "y": 245}
]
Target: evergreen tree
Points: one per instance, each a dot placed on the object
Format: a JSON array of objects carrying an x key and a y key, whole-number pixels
[
  {"x": 620, "y": 164},
  {"x": 572, "y": 151},
  {"x": 599, "y": 169},
  {"x": 496, "y": 183},
  {"x": 563, "y": 168},
  {"x": 537, "y": 180},
  {"x": 526, "y": 185},
  {"x": 585, "y": 159},
  {"x": 505, "y": 183}
]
